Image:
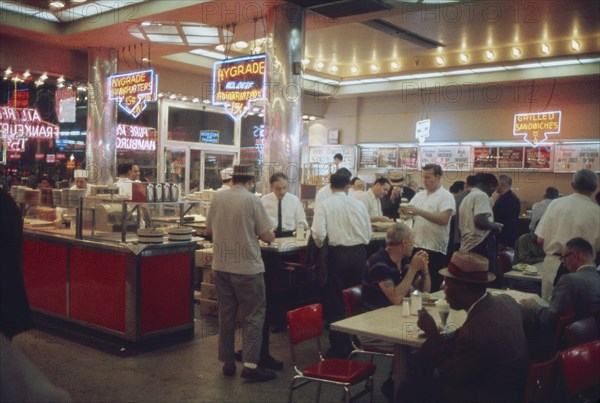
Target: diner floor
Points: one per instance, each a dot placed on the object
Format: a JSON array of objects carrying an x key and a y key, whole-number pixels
[{"x": 185, "y": 372}]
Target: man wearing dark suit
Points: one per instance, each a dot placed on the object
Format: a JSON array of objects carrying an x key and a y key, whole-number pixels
[
  {"x": 391, "y": 202},
  {"x": 506, "y": 212},
  {"x": 486, "y": 360},
  {"x": 578, "y": 290}
]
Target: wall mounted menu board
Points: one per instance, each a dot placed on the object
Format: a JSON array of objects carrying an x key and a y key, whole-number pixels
[
  {"x": 484, "y": 157},
  {"x": 368, "y": 158},
  {"x": 323, "y": 155},
  {"x": 538, "y": 158},
  {"x": 387, "y": 157},
  {"x": 510, "y": 157},
  {"x": 450, "y": 158},
  {"x": 408, "y": 158},
  {"x": 573, "y": 157}
]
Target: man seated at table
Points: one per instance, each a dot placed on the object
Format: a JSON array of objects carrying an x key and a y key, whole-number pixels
[
  {"x": 387, "y": 282},
  {"x": 578, "y": 291},
  {"x": 284, "y": 209},
  {"x": 486, "y": 360}
]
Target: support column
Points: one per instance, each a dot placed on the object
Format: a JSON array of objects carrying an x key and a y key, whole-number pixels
[
  {"x": 101, "y": 151},
  {"x": 283, "y": 112}
]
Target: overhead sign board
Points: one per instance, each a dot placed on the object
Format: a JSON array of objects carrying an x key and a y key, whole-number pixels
[
  {"x": 209, "y": 136},
  {"x": 536, "y": 127},
  {"x": 136, "y": 138},
  {"x": 238, "y": 83},
  {"x": 422, "y": 131},
  {"x": 133, "y": 90},
  {"x": 25, "y": 123}
]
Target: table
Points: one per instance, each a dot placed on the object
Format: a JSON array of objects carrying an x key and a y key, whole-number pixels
[
  {"x": 520, "y": 275},
  {"x": 388, "y": 324}
]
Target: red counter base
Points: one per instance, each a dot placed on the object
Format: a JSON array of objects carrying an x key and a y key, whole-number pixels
[{"x": 108, "y": 294}]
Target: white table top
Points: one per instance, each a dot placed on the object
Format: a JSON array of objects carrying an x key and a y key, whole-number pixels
[
  {"x": 388, "y": 324},
  {"x": 520, "y": 274}
]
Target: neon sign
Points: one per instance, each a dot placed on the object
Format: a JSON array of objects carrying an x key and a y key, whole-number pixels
[
  {"x": 238, "y": 83},
  {"x": 136, "y": 138},
  {"x": 133, "y": 90},
  {"x": 25, "y": 123},
  {"x": 536, "y": 127}
]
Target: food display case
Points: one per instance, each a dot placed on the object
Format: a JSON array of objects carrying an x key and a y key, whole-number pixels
[{"x": 96, "y": 279}]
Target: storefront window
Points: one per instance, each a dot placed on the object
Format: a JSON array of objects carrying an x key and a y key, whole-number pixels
[
  {"x": 175, "y": 165},
  {"x": 199, "y": 126}
]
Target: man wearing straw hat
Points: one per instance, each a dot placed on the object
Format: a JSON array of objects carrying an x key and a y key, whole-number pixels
[
  {"x": 81, "y": 181},
  {"x": 486, "y": 359}
]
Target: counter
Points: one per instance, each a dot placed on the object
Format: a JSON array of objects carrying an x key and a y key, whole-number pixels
[{"x": 126, "y": 295}]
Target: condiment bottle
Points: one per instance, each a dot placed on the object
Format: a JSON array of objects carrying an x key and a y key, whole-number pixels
[
  {"x": 416, "y": 302},
  {"x": 406, "y": 306},
  {"x": 300, "y": 232}
]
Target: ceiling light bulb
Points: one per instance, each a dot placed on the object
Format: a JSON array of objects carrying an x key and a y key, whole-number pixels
[
  {"x": 463, "y": 57},
  {"x": 78, "y": 1},
  {"x": 60, "y": 79},
  {"x": 257, "y": 49},
  {"x": 312, "y": 118},
  {"x": 575, "y": 45},
  {"x": 305, "y": 117},
  {"x": 374, "y": 67},
  {"x": 206, "y": 101},
  {"x": 8, "y": 70},
  {"x": 489, "y": 55},
  {"x": 544, "y": 48},
  {"x": 184, "y": 98},
  {"x": 439, "y": 60},
  {"x": 305, "y": 61},
  {"x": 516, "y": 52},
  {"x": 220, "y": 48},
  {"x": 354, "y": 69},
  {"x": 241, "y": 45},
  {"x": 172, "y": 96},
  {"x": 43, "y": 77},
  {"x": 195, "y": 100},
  {"x": 145, "y": 59},
  {"x": 319, "y": 65},
  {"x": 333, "y": 68},
  {"x": 57, "y": 4},
  {"x": 395, "y": 65},
  {"x": 26, "y": 74}
]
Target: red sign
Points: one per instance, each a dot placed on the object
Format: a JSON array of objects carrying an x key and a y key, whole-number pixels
[
  {"x": 14, "y": 156},
  {"x": 19, "y": 99},
  {"x": 133, "y": 90},
  {"x": 239, "y": 82},
  {"x": 14, "y": 143},
  {"x": 60, "y": 156},
  {"x": 50, "y": 158},
  {"x": 40, "y": 156},
  {"x": 536, "y": 127},
  {"x": 137, "y": 138},
  {"x": 16, "y": 122}
]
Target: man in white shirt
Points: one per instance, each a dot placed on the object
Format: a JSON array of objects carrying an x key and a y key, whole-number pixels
[
  {"x": 124, "y": 179},
  {"x": 226, "y": 175},
  {"x": 372, "y": 199},
  {"x": 284, "y": 209},
  {"x": 345, "y": 222},
  {"x": 80, "y": 176},
  {"x": 431, "y": 225},
  {"x": 575, "y": 215},
  {"x": 325, "y": 192},
  {"x": 357, "y": 187}
]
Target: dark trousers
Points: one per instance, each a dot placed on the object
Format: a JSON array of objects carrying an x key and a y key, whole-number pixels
[
  {"x": 488, "y": 249},
  {"x": 437, "y": 261},
  {"x": 346, "y": 268}
]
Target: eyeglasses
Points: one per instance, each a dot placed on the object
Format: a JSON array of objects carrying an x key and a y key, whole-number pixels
[{"x": 565, "y": 256}]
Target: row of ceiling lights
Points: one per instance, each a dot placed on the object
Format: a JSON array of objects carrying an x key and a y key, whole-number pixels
[
  {"x": 58, "y": 4},
  {"x": 490, "y": 55},
  {"x": 21, "y": 78}
]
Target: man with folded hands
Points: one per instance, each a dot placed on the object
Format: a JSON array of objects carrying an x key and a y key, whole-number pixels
[{"x": 486, "y": 360}]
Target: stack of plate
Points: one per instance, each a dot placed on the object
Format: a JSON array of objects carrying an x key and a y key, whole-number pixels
[
  {"x": 150, "y": 235},
  {"x": 74, "y": 195},
  {"x": 180, "y": 234}
]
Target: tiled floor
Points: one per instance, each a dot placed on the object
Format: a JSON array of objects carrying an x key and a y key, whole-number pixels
[{"x": 188, "y": 371}]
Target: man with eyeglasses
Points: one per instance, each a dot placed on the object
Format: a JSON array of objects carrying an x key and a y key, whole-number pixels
[{"x": 578, "y": 290}]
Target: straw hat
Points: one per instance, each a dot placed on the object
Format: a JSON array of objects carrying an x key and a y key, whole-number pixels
[
  {"x": 468, "y": 267},
  {"x": 80, "y": 173},
  {"x": 396, "y": 177}
]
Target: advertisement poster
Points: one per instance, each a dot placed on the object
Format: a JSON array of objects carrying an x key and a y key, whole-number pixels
[
  {"x": 573, "y": 157},
  {"x": 450, "y": 158},
  {"x": 538, "y": 158},
  {"x": 387, "y": 157},
  {"x": 408, "y": 158},
  {"x": 484, "y": 157},
  {"x": 368, "y": 158},
  {"x": 510, "y": 157}
]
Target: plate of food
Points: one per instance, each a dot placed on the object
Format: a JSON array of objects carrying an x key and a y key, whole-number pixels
[{"x": 521, "y": 266}]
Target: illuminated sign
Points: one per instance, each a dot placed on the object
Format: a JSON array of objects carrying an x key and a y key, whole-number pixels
[
  {"x": 133, "y": 90},
  {"x": 239, "y": 82},
  {"x": 19, "y": 98},
  {"x": 25, "y": 123},
  {"x": 423, "y": 130},
  {"x": 536, "y": 127},
  {"x": 209, "y": 136},
  {"x": 136, "y": 138}
]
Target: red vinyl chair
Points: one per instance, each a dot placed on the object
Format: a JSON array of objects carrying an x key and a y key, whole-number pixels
[
  {"x": 559, "y": 336},
  {"x": 582, "y": 331},
  {"x": 306, "y": 324},
  {"x": 541, "y": 381},
  {"x": 352, "y": 300},
  {"x": 581, "y": 369}
]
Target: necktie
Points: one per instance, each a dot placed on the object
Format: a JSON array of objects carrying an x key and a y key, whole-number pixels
[{"x": 279, "y": 221}]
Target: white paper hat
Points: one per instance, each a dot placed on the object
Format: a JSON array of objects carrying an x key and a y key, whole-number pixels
[
  {"x": 226, "y": 174},
  {"x": 80, "y": 173}
]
